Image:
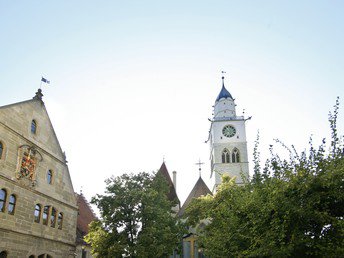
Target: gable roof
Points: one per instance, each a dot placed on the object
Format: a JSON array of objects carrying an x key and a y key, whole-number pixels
[
  {"x": 200, "y": 189},
  {"x": 16, "y": 110},
  {"x": 172, "y": 194}
]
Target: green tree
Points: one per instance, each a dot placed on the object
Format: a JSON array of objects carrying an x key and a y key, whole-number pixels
[
  {"x": 136, "y": 218},
  {"x": 291, "y": 208}
]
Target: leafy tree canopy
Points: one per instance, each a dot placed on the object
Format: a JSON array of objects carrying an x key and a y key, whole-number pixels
[
  {"x": 290, "y": 208},
  {"x": 136, "y": 218}
]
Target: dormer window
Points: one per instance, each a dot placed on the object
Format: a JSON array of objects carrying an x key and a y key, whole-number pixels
[{"x": 33, "y": 126}]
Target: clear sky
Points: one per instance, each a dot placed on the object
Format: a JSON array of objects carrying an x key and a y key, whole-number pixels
[{"x": 133, "y": 82}]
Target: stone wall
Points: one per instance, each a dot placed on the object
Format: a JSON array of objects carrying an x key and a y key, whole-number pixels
[{"x": 20, "y": 235}]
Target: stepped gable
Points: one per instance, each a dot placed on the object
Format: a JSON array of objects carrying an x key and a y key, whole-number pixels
[{"x": 200, "y": 189}]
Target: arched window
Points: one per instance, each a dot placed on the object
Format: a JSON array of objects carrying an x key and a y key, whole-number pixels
[
  {"x": 33, "y": 126},
  {"x": 225, "y": 156},
  {"x": 3, "y": 254},
  {"x": 1, "y": 149},
  {"x": 32, "y": 256},
  {"x": 53, "y": 217},
  {"x": 12, "y": 204},
  {"x": 41, "y": 256},
  {"x": 3, "y": 196},
  {"x": 235, "y": 156},
  {"x": 45, "y": 215},
  {"x": 38, "y": 210},
  {"x": 49, "y": 256},
  {"x": 60, "y": 220},
  {"x": 50, "y": 177}
]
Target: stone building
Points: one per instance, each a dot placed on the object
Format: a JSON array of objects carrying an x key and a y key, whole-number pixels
[{"x": 38, "y": 208}]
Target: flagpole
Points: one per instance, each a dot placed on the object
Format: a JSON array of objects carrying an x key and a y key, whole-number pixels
[{"x": 40, "y": 85}]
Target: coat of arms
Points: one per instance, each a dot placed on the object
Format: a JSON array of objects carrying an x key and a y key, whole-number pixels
[{"x": 27, "y": 164}]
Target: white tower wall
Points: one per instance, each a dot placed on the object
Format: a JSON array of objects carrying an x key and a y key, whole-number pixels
[{"x": 233, "y": 140}]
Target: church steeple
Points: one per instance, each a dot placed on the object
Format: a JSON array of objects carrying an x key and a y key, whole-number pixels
[{"x": 227, "y": 138}]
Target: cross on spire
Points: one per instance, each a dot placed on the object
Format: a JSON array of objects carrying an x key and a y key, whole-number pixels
[{"x": 199, "y": 163}]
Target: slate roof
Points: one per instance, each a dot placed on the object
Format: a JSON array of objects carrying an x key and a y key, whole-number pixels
[
  {"x": 224, "y": 93},
  {"x": 85, "y": 216},
  {"x": 199, "y": 189},
  {"x": 172, "y": 194}
]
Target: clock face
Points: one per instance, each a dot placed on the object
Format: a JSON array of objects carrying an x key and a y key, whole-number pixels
[{"x": 228, "y": 131}]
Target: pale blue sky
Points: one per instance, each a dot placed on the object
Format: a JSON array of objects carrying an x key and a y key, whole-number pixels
[{"x": 133, "y": 81}]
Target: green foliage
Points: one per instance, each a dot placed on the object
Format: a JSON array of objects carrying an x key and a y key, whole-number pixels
[
  {"x": 290, "y": 208},
  {"x": 136, "y": 218}
]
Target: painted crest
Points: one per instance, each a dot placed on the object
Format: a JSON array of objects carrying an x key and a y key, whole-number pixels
[{"x": 27, "y": 164}]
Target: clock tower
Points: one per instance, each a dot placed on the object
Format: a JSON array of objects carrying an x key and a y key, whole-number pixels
[{"x": 227, "y": 138}]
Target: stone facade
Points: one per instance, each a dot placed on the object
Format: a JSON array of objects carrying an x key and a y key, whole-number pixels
[{"x": 35, "y": 176}]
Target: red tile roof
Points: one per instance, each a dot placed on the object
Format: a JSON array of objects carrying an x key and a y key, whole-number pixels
[{"x": 85, "y": 215}]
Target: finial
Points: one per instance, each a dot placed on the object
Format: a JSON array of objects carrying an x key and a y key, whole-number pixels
[
  {"x": 38, "y": 95},
  {"x": 199, "y": 167},
  {"x": 223, "y": 78}
]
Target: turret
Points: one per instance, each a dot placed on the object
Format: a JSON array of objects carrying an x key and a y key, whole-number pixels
[{"x": 224, "y": 105}]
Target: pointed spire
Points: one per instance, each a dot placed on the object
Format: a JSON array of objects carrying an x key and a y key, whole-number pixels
[{"x": 224, "y": 93}]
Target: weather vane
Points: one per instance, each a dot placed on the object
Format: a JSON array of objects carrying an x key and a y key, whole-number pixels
[
  {"x": 223, "y": 77},
  {"x": 199, "y": 166}
]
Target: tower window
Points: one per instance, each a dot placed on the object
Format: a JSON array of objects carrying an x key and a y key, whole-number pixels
[
  {"x": 225, "y": 156},
  {"x": 12, "y": 204},
  {"x": 37, "y": 214},
  {"x": 33, "y": 126},
  {"x": 1, "y": 149},
  {"x": 235, "y": 156},
  {"x": 3, "y": 254},
  {"x": 50, "y": 177}
]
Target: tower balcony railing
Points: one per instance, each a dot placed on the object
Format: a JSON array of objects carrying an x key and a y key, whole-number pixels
[{"x": 233, "y": 118}]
